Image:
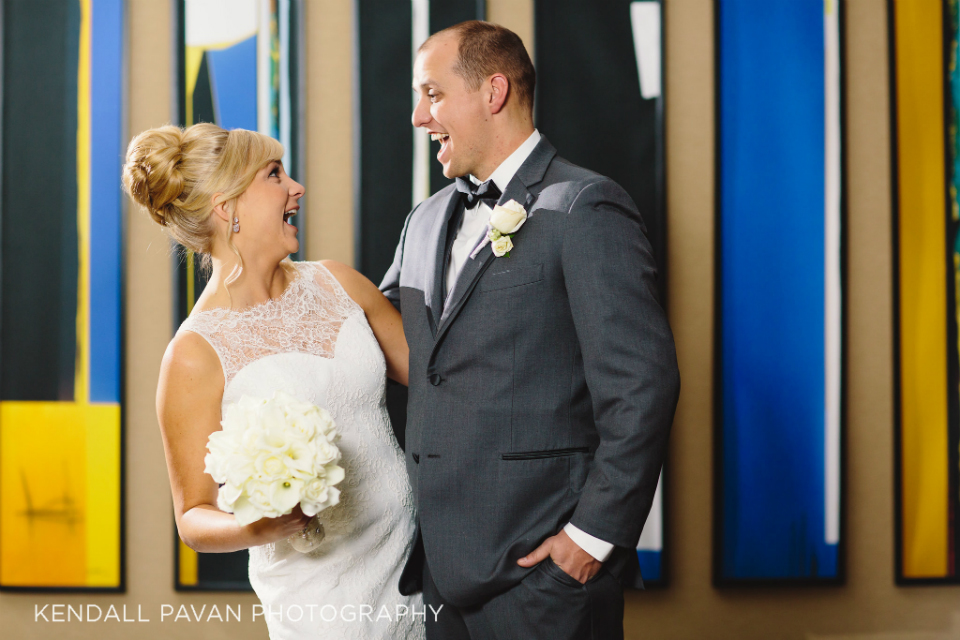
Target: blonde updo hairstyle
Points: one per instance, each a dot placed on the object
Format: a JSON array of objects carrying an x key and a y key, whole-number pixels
[{"x": 173, "y": 173}]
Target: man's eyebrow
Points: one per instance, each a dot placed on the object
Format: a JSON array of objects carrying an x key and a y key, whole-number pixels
[{"x": 426, "y": 83}]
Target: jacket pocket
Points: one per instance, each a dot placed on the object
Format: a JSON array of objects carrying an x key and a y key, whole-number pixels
[
  {"x": 546, "y": 453},
  {"x": 514, "y": 277}
]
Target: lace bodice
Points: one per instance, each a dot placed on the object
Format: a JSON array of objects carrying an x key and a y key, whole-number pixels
[
  {"x": 306, "y": 318},
  {"x": 314, "y": 343}
]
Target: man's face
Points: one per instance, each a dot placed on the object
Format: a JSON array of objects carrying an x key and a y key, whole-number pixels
[{"x": 448, "y": 109}]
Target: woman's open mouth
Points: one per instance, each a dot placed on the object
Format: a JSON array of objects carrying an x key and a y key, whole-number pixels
[{"x": 288, "y": 215}]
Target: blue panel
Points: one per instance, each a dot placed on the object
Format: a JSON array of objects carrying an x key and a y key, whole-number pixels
[
  {"x": 106, "y": 149},
  {"x": 233, "y": 76},
  {"x": 649, "y": 565},
  {"x": 772, "y": 289}
]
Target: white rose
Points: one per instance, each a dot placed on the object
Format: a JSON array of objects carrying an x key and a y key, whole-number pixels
[
  {"x": 272, "y": 466},
  {"x": 501, "y": 246},
  {"x": 508, "y": 218}
]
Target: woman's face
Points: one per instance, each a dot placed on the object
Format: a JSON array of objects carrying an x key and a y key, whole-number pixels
[{"x": 264, "y": 210}]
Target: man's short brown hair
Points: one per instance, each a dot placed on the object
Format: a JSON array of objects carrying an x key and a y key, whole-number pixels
[{"x": 486, "y": 48}]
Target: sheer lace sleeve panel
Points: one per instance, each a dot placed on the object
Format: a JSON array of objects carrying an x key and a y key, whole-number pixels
[{"x": 306, "y": 318}]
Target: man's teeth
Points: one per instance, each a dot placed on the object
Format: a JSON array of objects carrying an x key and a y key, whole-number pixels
[{"x": 439, "y": 136}]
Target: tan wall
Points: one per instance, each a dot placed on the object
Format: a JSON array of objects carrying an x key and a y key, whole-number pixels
[{"x": 690, "y": 607}]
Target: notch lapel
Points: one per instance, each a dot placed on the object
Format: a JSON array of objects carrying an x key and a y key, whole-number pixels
[
  {"x": 434, "y": 285},
  {"x": 530, "y": 173}
]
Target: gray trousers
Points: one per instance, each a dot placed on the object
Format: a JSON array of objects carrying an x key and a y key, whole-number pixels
[{"x": 547, "y": 604}]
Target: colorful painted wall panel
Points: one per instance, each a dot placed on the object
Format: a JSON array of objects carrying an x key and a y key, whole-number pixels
[
  {"x": 61, "y": 334},
  {"x": 614, "y": 50},
  {"x": 239, "y": 68},
  {"x": 927, "y": 272},
  {"x": 779, "y": 317}
]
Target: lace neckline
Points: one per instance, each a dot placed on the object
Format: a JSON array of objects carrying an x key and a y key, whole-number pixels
[{"x": 293, "y": 287}]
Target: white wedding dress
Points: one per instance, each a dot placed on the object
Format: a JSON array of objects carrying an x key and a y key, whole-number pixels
[{"x": 314, "y": 343}]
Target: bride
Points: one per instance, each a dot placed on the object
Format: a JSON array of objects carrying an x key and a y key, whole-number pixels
[{"x": 318, "y": 331}]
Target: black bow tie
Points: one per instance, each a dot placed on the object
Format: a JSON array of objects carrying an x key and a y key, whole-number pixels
[{"x": 486, "y": 192}]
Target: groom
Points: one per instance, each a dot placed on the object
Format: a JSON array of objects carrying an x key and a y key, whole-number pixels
[{"x": 543, "y": 381}]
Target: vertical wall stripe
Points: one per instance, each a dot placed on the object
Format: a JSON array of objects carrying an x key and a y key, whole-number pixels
[
  {"x": 922, "y": 295},
  {"x": 106, "y": 253},
  {"x": 83, "y": 205},
  {"x": 421, "y": 139},
  {"x": 832, "y": 285},
  {"x": 774, "y": 305}
]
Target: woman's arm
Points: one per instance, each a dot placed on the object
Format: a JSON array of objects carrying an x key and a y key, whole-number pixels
[
  {"x": 383, "y": 317},
  {"x": 188, "y": 407}
]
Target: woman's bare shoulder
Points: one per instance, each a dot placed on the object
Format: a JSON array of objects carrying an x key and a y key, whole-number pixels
[{"x": 190, "y": 361}]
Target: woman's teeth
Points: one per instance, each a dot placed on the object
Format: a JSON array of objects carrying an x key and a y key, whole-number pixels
[{"x": 289, "y": 214}]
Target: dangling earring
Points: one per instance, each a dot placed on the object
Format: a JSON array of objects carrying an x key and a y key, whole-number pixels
[{"x": 236, "y": 225}]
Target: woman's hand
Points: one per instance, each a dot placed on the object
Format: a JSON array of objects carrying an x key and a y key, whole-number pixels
[{"x": 267, "y": 530}]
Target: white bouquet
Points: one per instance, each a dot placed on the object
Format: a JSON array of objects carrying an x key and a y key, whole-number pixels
[{"x": 272, "y": 455}]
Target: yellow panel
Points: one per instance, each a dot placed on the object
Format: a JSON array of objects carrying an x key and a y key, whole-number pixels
[
  {"x": 188, "y": 565},
  {"x": 103, "y": 495},
  {"x": 42, "y": 494},
  {"x": 923, "y": 302}
]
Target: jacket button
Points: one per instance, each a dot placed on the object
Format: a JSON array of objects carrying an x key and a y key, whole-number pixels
[{"x": 435, "y": 379}]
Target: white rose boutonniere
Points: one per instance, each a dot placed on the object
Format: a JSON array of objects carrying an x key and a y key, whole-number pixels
[
  {"x": 502, "y": 246},
  {"x": 505, "y": 221}
]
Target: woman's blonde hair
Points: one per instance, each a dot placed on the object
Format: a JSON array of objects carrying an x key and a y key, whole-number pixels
[{"x": 173, "y": 173}]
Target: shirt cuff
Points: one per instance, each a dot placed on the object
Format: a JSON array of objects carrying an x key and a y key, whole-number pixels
[{"x": 596, "y": 547}]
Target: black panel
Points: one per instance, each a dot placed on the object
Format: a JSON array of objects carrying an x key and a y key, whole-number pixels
[
  {"x": 203, "y": 95},
  {"x": 443, "y": 14},
  {"x": 39, "y": 200},
  {"x": 588, "y": 104},
  {"x": 384, "y": 143}
]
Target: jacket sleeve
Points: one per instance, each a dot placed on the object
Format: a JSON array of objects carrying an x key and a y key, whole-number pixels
[
  {"x": 390, "y": 286},
  {"x": 629, "y": 359}
]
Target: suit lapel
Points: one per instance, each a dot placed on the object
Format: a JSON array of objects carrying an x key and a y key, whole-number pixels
[
  {"x": 440, "y": 239},
  {"x": 530, "y": 173}
]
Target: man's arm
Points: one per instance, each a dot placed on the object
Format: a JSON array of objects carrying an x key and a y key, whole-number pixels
[
  {"x": 631, "y": 371},
  {"x": 629, "y": 359}
]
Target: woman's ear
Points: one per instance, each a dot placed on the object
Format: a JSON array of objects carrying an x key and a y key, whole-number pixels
[{"x": 221, "y": 209}]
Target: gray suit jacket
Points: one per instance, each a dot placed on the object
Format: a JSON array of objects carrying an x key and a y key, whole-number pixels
[{"x": 543, "y": 392}]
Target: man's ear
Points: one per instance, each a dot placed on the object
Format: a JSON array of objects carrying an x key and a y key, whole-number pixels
[
  {"x": 499, "y": 88},
  {"x": 220, "y": 208}
]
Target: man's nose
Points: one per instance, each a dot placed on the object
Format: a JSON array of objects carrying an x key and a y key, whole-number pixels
[{"x": 421, "y": 114}]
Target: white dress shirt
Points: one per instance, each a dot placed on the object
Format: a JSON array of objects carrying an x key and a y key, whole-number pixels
[{"x": 472, "y": 229}]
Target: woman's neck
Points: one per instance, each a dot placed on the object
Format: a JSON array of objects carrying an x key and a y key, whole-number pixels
[{"x": 254, "y": 285}]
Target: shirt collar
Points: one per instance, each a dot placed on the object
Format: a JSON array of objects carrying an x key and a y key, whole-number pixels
[{"x": 509, "y": 167}]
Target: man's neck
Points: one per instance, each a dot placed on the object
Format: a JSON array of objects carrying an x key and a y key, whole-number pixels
[{"x": 504, "y": 147}]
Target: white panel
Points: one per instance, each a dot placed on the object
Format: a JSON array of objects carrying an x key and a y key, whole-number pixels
[
  {"x": 652, "y": 537},
  {"x": 264, "y": 75},
  {"x": 285, "y": 53},
  {"x": 421, "y": 140},
  {"x": 832, "y": 303},
  {"x": 645, "y": 19},
  {"x": 214, "y": 23}
]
